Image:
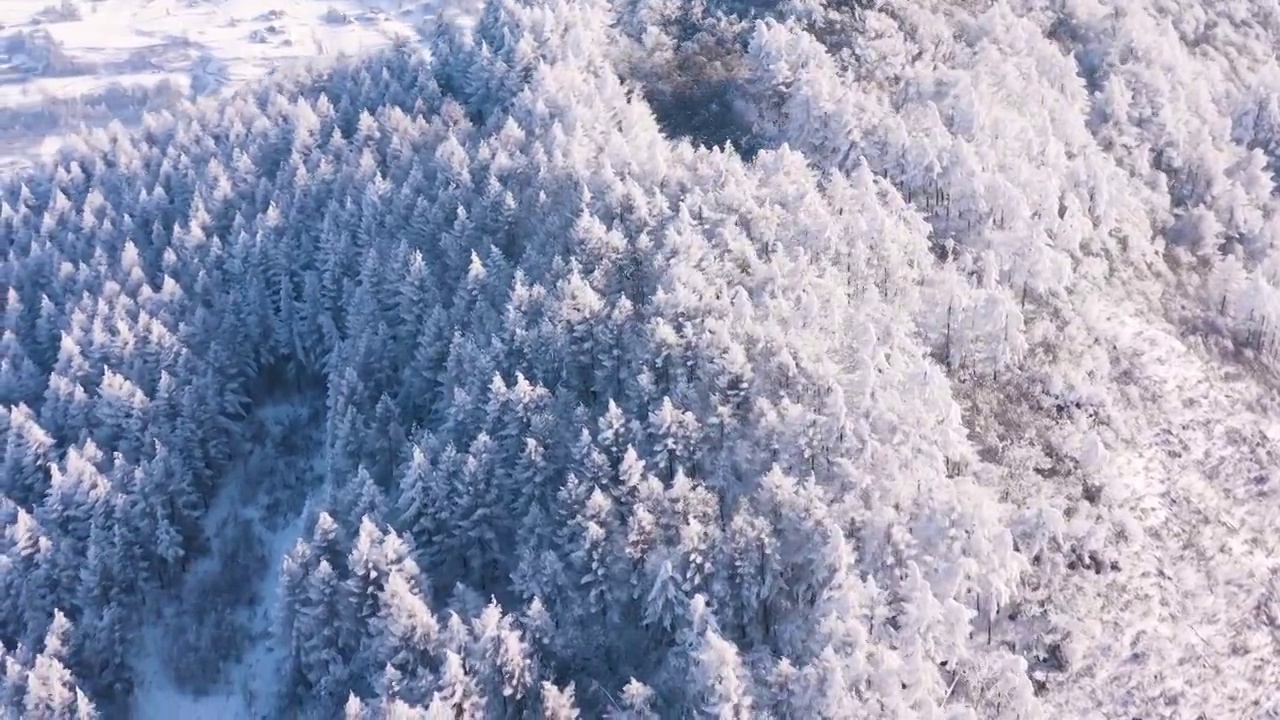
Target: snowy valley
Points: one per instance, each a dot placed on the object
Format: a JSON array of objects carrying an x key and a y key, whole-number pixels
[{"x": 640, "y": 359}]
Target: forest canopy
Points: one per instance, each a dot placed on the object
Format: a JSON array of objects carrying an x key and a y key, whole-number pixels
[{"x": 656, "y": 359}]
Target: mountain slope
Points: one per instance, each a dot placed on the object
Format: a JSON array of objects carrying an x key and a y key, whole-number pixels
[{"x": 872, "y": 360}]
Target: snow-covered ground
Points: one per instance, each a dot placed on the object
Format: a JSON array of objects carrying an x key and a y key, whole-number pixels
[
  {"x": 259, "y": 510},
  {"x": 1197, "y": 470},
  {"x": 68, "y": 62},
  {"x": 252, "y": 685}
]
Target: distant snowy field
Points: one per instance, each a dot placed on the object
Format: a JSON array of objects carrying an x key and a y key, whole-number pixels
[{"x": 64, "y": 63}]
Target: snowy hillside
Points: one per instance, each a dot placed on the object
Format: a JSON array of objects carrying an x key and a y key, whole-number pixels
[
  {"x": 644, "y": 359},
  {"x": 67, "y": 62}
]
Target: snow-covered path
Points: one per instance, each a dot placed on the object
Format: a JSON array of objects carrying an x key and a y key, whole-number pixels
[{"x": 249, "y": 687}]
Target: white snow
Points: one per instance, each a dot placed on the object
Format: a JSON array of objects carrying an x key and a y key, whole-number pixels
[
  {"x": 57, "y": 72},
  {"x": 1193, "y": 475}
]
